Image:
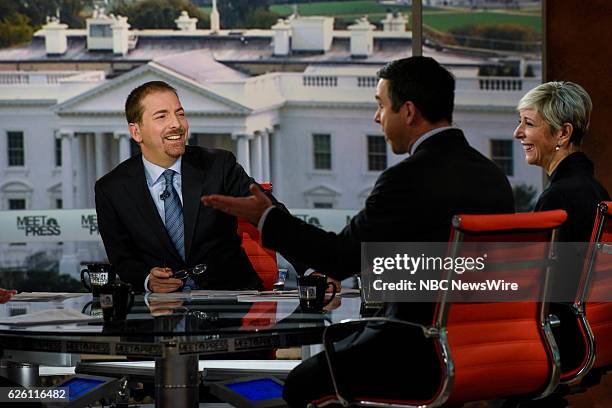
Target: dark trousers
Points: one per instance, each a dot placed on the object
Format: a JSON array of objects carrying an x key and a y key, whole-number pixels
[{"x": 380, "y": 362}]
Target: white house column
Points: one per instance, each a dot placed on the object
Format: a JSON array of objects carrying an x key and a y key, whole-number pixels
[
  {"x": 124, "y": 144},
  {"x": 257, "y": 158},
  {"x": 265, "y": 156},
  {"x": 90, "y": 155},
  {"x": 69, "y": 264},
  {"x": 242, "y": 151},
  {"x": 82, "y": 187},
  {"x": 80, "y": 164},
  {"x": 67, "y": 169},
  {"x": 277, "y": 166},
  {"x": 101, "y": 155}
]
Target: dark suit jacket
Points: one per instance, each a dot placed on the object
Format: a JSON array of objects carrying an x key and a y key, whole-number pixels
[
  {"x": 412, "y": 201},
  {"x": 134, "y": 234},
  {"x": 573, "y": 188}
]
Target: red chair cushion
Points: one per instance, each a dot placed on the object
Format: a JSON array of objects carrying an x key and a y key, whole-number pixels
[
  {"x": 500, "y": 347},
  {"x": 262, "y": 259}
]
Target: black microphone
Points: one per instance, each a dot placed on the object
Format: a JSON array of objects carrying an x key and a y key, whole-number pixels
[{"x": 164, "y": 195}]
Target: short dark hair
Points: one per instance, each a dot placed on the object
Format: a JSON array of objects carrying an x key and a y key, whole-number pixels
[
  {"x": 424, "y": 82},
  {"x": 133, "y": 105}
]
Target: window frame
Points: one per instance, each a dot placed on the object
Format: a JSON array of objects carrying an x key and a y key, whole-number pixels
[
  {"x": 57, "y": 150},
  {"x": 323, "y": 205},
  {"x": 97, "y": 30},
  {"x": 8, "y": 150},
  {"x": 496, "y": 159},
  {"x": 12, "y": 199},
  {"x": 368, "y": 153},
  {"x": 314, "y": 153}
]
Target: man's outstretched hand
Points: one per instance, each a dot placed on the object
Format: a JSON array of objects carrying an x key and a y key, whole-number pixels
[{"x": 249, "y": 208}]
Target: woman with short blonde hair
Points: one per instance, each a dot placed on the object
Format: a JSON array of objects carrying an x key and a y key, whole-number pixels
[{"x": 553, "y": 122}]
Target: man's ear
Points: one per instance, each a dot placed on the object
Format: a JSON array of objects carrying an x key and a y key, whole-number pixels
[
  {"x": 135, "y": 132},
  {"x": 409, "y": 111}
]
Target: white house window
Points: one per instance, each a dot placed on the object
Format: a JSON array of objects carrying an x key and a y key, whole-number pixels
[
  {"x": 377, "y": 153},
  {"x": 322, "y": 196},
  {"x": 322, "y": 151},
  {"x": 58, "y": 152},
  {"x": 323, "y": 205},
  {"x": 15, "y": 195},
  {"x": 59, "y": 203},
  {"x": 100, "y": 30},
  {"x": 15, "y": 148},
  {"x": 501, "y": 154},
  {"x": 213, "y": 141},
  {"x": 16, "y": 204}
]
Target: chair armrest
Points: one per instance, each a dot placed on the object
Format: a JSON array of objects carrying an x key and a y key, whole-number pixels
[
  {"x": 554, "y": 320},
  {"x": 342, "y": 330}
]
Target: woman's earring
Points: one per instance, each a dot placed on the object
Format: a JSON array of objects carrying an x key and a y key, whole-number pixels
[{"x": 557, "y": 148}]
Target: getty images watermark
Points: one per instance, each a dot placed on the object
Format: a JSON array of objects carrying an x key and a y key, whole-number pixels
[
  {"x": 412, "y": 264},
  {"x": 478, "y": 272}
]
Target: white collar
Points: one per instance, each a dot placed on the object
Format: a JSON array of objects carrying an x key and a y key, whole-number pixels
[
  {"x": 426, "y": 136},
  {"x": 153, "y": 172}
]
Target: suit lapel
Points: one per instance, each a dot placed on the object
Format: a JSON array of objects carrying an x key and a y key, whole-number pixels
[
  {"x": 138, "y": 191},
  {"x": 192, "y": 184}
]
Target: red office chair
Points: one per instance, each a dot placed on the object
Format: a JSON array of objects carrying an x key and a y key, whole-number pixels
[
  {"x": 595, "y": 291},
  {"x": 262, "y": 259},
  {"x": 485, "y": 350},
  {"x": 262, "y": 315}
]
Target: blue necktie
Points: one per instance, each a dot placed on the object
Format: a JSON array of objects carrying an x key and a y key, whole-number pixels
[{"x": 173, "y": 212}]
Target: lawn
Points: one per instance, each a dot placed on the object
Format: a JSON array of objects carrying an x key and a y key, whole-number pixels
[
  {"x": 445, "y": 21},
  {"x": 436, "y": 18},
  {"x": 336, "y": 8}
]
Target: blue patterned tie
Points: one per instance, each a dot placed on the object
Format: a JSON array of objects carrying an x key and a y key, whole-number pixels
[{"x": 173, "y": 212}]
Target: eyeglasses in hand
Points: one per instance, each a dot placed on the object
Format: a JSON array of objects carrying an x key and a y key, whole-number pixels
[{"x": 191, "y": 272}]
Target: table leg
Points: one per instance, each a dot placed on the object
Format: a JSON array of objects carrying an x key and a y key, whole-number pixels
[
  {"x": 25, "y": 374},
  {"x": 176, "y": 379}
]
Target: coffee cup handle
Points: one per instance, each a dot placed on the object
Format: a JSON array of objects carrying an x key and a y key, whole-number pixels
[
  {"x": 87, "y": 305},
  {"x": 131, "y": 303},
  {"x": 87, "y": 286},
  {"x": 333, "y": 295}
]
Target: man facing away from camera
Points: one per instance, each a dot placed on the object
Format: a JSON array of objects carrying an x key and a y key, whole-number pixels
[{"x": 412, "y": 201}]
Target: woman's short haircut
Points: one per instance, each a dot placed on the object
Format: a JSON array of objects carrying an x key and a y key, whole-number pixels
[
  {"x": 133, "y": 103},
  {"x": 559, "y": 103},
  {"x": 424, "y": 82}
]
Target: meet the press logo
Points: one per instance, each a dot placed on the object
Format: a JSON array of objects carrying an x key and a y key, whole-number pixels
[
  {"x": 90, "y": 224},
  {"x": 38, "y": 226}
]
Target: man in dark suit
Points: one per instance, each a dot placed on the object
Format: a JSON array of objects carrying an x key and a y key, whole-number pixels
[
  {"x": 153, "y": 226},
  {"x": 412, "y": 201}
]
